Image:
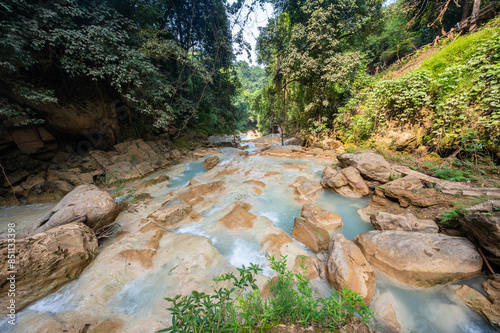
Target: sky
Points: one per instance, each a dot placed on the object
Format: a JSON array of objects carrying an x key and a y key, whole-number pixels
[{"x": 257, "y": 19}]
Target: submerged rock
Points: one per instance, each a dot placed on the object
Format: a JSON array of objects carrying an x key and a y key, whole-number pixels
[
  {"x": 172, "y": 212},
  {"x": 305, "y": 189},
  {"x": 315, "y": 238},
  {"x": 86, "y": 204},
  {"x": 370, "y": 165},
  {"x": 347, "y": 267},
  {"x": 347, "y": 182},
  {"x": 420, "y": 259},
  {"x": 211, "y": 162},
  {"x": 46, "y": 261},
  {"x": 407, "y": 222},
  {"x": 383, "y": 311}
]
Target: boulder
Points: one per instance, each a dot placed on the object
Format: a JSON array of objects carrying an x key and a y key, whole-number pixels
[
  {"x": 485, "y": 229},
  {"x": 121, "y": 171},
  {"x": 383, "y": 311},
  {"x": 477, "y": 302},
  {"x": 49, "y": 191},
  {"x": 370, "y": 165},
  {"x": 172, "y": 212},
  {"x": 137, "y": 151},
  {"x": 321, "y": 218},
  {"x": 211, "y": 162},
  {"x": 347, "y": 182},
  {"x": 305, "y": 189},
  {"x": 224, "y": 140},
  {"x": 46, "y": 261},
  {"x": 410, "y": 190},
  {"x": 347, "y": 267},
  {"x": 407, "y": 222},
  {"x": 420, "y": 259},
  {"x": 311, "y": 236},
  {"x": 85, "y": 204}
]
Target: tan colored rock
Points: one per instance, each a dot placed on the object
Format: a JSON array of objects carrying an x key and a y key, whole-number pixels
[
  {"x": 85, "y": 204},
  {"x": 154, "y": 181},
  {"x": 420, "y": 259},
  {"x": 311, "y": 236},
  {"x": 409, "y": 190},
  {"x": 347, "y": 267},
  {"x": 46, "y": 261},
  {"x": 239, "y": 218},
  {"x": 477, "y": 302},
  {"x": 171, "y": 213},
  {"x": 383, "y": 310},
  {"x": 121, "y": 170},
  {"x": 137, "y": 151},
  {"x": 314, "y": 268},
  {"x": 321, "y": 218},
  {"x": 485, "y": 229},
  {"x": 196, "y": 194},
  {"x": 347, "y": 182},
  {"x": 305, "y": 189},
  {"x": 144, "y": 168},
  {"x": 407, "y": 222},
  {"x": 211, "y": 162},
  {"x": 370, "y": 165}
]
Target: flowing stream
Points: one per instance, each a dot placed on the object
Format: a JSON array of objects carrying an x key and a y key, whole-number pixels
[{"x": 418, "y": 310}]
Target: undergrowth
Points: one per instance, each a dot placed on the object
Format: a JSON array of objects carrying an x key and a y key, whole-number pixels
[{"x": 241, "y": 308}]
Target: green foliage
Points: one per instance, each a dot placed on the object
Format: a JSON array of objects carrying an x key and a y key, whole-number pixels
[
  {"x": 241, "y": 308},
  {"x": 450, "y": 173},
  {"x": 450, "y": 217}
]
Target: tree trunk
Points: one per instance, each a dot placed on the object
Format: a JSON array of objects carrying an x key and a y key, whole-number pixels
[
  {"x": 475, "y": 11},
  {"x": 465, "y": 9}
]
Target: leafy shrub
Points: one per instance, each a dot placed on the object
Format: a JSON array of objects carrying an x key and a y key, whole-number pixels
[
  {"x": 451, "y": 173},
  {"x": 242, "y": 309}
]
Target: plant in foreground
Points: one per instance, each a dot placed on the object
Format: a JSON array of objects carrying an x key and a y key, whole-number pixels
[{"x": 240, "y": 308}]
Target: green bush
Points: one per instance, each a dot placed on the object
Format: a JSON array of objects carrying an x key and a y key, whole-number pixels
[{"x": 292, "y": 300}]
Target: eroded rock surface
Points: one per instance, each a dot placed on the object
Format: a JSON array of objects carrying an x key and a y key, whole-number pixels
[
  {"x": 370, "y": 165},
  {"x": 407, "y": 222},
  {"x": 347, "y": 182},
  {"x": 420, "y": 259},
  {"x": 46, "y": 261},
  {"x": 321, "y": 218},
  {"x": 315, "y": 238},
  {"x": 485, "y": 229},
  {"x": 211, "y": 162}
]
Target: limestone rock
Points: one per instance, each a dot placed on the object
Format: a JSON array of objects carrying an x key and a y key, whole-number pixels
[
  {"x": 196, "y": 194},
  {"x": 420, "y": 259},
  {"x": 137, "y": 151},
  {"x": 485, "y": 229},
  {"x": 121, "y": 170},
  {"x": 211, "y": 162},
  {"x": 46, "y": 261},
  {"x": 86, "y": 204},
  {"x": 476, "y": 301},
  {"x": 321, "y": 218},
  {"x": 383, "y": 310},
  {"x": 311, "y": 236},
  {"x": 172, "y": 212},
  {"x": 370, "y": 165},
  {"x": 305, "y": 189},
  {"x": 224, "y": 140},
  {"x": 346, "y": 182},
  {"x": 239, "y": 218},
  {"x": 347, "y": 267},
  {"x": 410, "y": 190},
  {"x": 407, "y": 222}
]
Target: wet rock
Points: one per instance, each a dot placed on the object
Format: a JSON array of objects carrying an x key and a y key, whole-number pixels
[
  {"x": 224, "y": 140},
  {"x": 311, "y": 236},
  {"x": 321, "y": 218},
  {"x": 46, "y": 261},
  {"x": 85, "y": 204},
  {"x": 239, "y": 218},
  {"x": 410, "y": 190},
  {"x": 211, "y": 162},
  {"x": 314, "y": 267},
  {"x": 305, "y": 189},
  {"x": 407, "y": 222},
  {"x": 49, "y": 191},
  {"x": 485, "y": 229},
  {"x": 154, "y": 181},
  {"x": 171, "y": 213},
  {"x": 346, "y": 182},
  {"x": 347, "y": 267},
  {"x": 383, "y": 310},
  {"x": 476, "y": 301},
  {"x": 420, "y": 259},
  {"x": 196, "y": 193},
  {"x": 370, "y": 165}
]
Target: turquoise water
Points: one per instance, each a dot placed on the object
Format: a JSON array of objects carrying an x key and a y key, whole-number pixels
[{"x": 192, "y": 169}]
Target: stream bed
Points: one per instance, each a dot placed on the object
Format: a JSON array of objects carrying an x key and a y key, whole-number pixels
[{"x": 134, "y": 296}]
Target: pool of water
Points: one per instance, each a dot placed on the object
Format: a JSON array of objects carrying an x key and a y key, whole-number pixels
[{"x": 21, "y": 216}]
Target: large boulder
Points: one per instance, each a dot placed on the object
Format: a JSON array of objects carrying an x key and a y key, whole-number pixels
[
  {"x": 211, "y": 162},
  {"x": 347, "y": 182},
  {"x": 86, "y": 204},
  {"x": 321, "y": 218},
  {"x": 420, "y": 259},
  {"x": 370, "y": 165},
  {"x": 485, "y": 229},
  {"x": 407, "y": 222},
  {"x": 48, "y": 191},
  {"x": 311, "y": 236},
  {"x": 347, "y": 267},
  {"x": 410, "y": 190},
  {"x": 305, "y": 189},
  {"x": 45, "y": 261}
]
